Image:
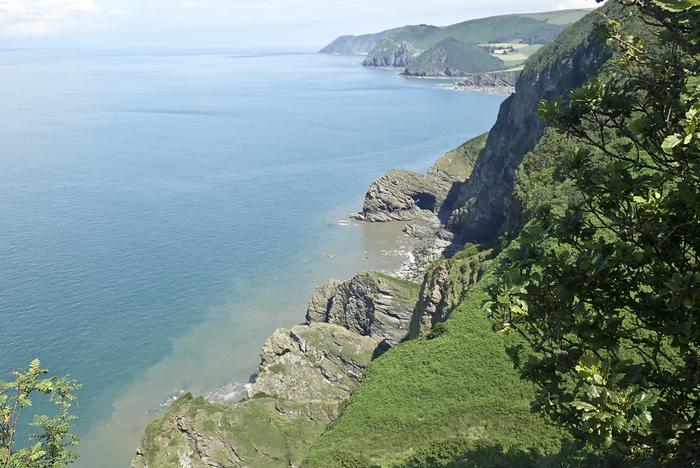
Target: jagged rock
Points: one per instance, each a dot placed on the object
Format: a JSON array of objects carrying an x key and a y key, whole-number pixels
[
  {"x": 319, "y": 304},
  {"x": 261, "y": 432},
  {"x": 371, "y": 304},
  {"x": 501, "y": 82},
  {"x": 444, "y": 287},
  {"x": 390, "y": 53},
  {"x": 402, "y": 195},
  {"x": 313, "y": 363}
]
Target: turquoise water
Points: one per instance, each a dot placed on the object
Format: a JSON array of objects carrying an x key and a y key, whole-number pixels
[{"x": 163, "y": 211}]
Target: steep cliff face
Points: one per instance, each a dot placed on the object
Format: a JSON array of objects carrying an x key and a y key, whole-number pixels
[
  {"x": 390, "y": 53},
  {"x": 445, "y": 286},
  {"x": 478, "y": 213},
  {"x": 319, "y": 362}
]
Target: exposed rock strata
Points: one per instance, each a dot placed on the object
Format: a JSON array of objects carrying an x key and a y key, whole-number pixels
[
  {"x": 446, "y": 283},
  {"x": 320, "y": 362},
  {"x": 370, "y": 304},
  {"x": 402, "y": 195},
  {"x": 496, "y": 82},
  {"x": 305, "y": 373}
]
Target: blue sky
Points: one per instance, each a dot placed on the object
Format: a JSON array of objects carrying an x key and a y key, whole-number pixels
[{"x": 234, "y": 23}]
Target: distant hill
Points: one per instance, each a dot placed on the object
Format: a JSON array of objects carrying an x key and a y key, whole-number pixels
[
  {"x": 452, "y": 57},
  {"x": 364, "y": 44},
  {"x": 520, "y": 35}
]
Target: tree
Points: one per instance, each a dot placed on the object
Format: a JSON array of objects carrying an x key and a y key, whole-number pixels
[
  {"x": 607, "y": 295},
  {"x": 50, "y": 446}
]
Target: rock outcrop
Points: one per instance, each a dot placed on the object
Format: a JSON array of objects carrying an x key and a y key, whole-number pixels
[
  {"x": 319, "y": 362},
  {"x": 305, "y": 373},
  {"x": 446, "y": 283},
  {"x": 369, "y": 304},
  {"x": 495, "y": 82},
  {"x": 390, "y": 53},
  {"x": 258, "y": 433},
  {"x": 402, "y": 195}
]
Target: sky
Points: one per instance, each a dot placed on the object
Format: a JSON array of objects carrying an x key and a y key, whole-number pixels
[{"x": 234, "y": 23}]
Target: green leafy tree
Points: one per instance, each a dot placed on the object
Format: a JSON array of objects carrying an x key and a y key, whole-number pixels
[
  {"x": 607, "y": 294},
  {"x": 50, "y": 446}
]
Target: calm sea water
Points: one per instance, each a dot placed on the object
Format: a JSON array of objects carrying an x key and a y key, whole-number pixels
[{"x": 163, "y": 211}]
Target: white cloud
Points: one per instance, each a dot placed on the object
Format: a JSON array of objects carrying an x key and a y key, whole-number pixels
[{"x": 31, "y": 18}]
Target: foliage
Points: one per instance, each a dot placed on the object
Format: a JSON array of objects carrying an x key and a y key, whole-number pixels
[
  {"x": 607, "y": 294},
  {"x": 51, "y": 445}
]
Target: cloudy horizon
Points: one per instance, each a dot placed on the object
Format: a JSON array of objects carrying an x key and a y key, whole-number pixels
[{"x": 267, "y": 23}]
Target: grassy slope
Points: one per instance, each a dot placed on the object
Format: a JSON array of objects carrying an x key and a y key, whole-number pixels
[
  {"x": 456, "y": 56},
  {"x": 459, "y": 162},
  {"x": 509, "y": 28},
  {"x": 460, "y": 385}
]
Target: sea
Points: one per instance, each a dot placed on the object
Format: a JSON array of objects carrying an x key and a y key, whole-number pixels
[{"x": 163, "y": 211}]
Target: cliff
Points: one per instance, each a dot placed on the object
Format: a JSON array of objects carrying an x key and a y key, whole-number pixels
[
  {"x": 402, "y": 195},
  {"x": 478, "y": 213},
  {"x": 365, "y": 43},
  {"x": 501, "y": 82},
  {"x": 539, "y": 28}
]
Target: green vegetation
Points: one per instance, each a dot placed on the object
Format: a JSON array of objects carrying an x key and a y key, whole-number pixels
[
  {"x": 529, "y": 29},
  {"x": 593, "y": 282},
  {"x": 455, "y": 384},
  {"x": 52, "y": 442},
  {"x": 459, "y": 163},
  {"x": 451, "y": 57},
  {"x": 606, "y": 292}
]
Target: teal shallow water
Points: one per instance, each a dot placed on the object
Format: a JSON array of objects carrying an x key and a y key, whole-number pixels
[{"x": 163, "y": 211}]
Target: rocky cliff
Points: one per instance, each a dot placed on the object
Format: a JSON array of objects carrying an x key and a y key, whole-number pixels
[
  {"x": 356, "y": 45},
  {"x": 305, "y": 373},
  {"x": 502, "y": 82},
  {"x": 370, "y": 304},
  {"x": 478, "y": 213},
  {"x": 390, "y": 53},
  {"x": 402, "y": 195}
]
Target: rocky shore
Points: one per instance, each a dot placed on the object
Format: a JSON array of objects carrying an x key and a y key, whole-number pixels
[
  {"x": 307, "y": 371},
  {"x": 497, "y": 82}
]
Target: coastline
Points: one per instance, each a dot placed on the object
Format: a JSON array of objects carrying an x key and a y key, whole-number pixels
[{"x": 380, "y": 247}]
